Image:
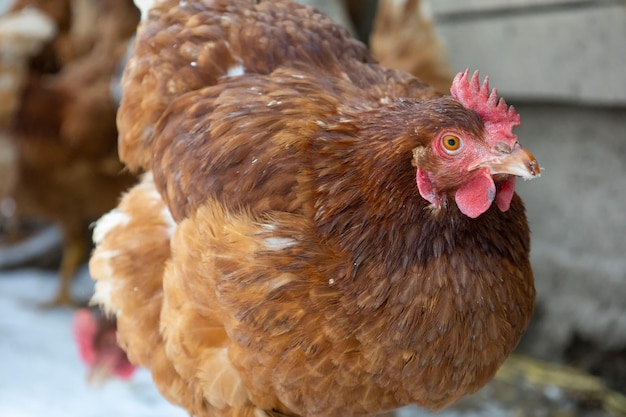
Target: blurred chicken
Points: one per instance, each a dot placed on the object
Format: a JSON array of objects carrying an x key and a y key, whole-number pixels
[
  {"x": 64, "y": 129},
  {"x": 96, "y": 338},
  {"x": 404, "y": 38},
  {"x": 77, "y": 23},
  {"x": 53, "y": 55},
  {"x": 22, "y": 35}
]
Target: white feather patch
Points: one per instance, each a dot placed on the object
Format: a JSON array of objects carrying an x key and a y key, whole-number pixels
[
  {"x": 107, "y": 254},
  {"x": 278, "y": 243},
  {"x": 102, "y": 296},
  {"x": 268, "y": 227},
  {"x": 259, "y": 413},
  {"x": 235, "y": 71},
  {"x": 107, "y": 223},
  {"x": 144, "y": 7},
  {"x": 166, "y": 215}
]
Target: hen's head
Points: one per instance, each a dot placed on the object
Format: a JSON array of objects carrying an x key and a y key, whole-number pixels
[
  {"x": 97, "y": 345},
  {"x": 473, "y": 156}
]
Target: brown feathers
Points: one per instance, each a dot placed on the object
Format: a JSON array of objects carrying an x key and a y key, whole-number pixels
[
  {"x": 404, "y": 38},
  {"x": 278, "y": 258}
]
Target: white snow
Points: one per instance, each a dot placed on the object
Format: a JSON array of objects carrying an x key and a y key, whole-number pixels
[{"x": 40, "y": 371}]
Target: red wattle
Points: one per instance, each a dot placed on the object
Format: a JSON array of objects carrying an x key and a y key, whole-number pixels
[
  {"x": 426, "y": 187},
  {"x": 475, "y": 197},
  {"x": 505, "y": 194}
]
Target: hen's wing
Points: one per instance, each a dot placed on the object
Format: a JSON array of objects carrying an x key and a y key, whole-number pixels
[
  {"x": 248, "y": 136},
  {"x": 236, "y": 74},
  {"x": 181, "y": 48}
]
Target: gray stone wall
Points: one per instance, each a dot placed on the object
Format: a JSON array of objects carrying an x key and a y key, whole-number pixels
[{"x": 565, "y": 50}]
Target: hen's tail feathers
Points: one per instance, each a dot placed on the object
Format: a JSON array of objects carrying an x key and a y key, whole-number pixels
[
  {"x": 133, "y": 284},
  {"x": 132, "y": 246}
]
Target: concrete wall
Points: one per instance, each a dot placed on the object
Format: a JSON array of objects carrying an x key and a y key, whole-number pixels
[
  {"x": 563, "y": 50},
  {"x": 578, "y": 222}
]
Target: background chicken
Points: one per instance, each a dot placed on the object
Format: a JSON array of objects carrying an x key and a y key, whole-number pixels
[
  {"x": 315, "y": 234},
  {"x": 95, "y": 336},
  {"x": 64, "y": 127},
  {"x": 22, "y": 35},
  {"x": 404, "y": 38},
  {"x": 400, "y": 34}
]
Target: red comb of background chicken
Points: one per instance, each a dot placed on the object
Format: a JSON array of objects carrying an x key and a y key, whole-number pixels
[
  {"x": 95, "y": 335},
  {"x": 499, "y": 118}
]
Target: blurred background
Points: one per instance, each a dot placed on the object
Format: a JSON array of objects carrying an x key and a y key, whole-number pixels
[{"x": 560, "y": 62}]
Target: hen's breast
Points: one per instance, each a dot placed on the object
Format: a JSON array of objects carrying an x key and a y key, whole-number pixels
[{"x": 312, "y": 336}]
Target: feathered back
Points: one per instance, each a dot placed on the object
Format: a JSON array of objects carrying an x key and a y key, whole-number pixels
[{"x": 219, "y": 39}]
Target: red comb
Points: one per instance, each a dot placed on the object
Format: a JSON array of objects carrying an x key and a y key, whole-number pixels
[{"x": 499, "y": 118}]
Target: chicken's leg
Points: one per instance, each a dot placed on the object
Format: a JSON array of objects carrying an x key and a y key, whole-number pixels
[{"x": 74, "y": 252}]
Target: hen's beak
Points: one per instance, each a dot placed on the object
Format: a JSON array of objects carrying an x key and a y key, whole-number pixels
[{"x": 518, "y": 162}]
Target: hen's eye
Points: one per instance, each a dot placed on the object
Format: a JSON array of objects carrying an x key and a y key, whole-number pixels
[{"x": 451, "y": 143}]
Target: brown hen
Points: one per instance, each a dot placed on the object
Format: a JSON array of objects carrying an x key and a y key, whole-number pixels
[
  {"x": 64, "y": 131},
  {"x": 315, "y": 235}
]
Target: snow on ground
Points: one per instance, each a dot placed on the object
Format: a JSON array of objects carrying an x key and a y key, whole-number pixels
[{"x": 41, "y": 374}]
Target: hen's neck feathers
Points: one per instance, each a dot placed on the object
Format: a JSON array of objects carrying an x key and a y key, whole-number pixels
[{"x": 366, "y": 201}]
